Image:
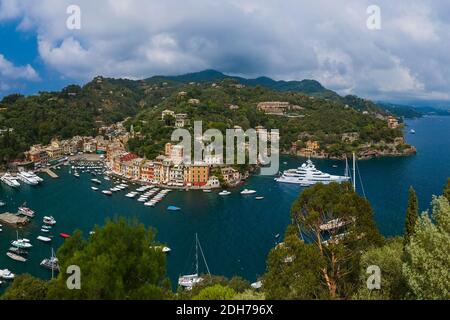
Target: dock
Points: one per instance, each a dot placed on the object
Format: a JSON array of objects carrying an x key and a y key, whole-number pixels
[
  {"x": 13, "y": 219},
  {"x": 50, "y": 173}
]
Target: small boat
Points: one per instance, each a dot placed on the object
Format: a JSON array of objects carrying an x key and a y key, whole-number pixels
[
  {"x": 166, "y": 249},
  {"x": 247, "y": 191},
  {"x": 96, "y": 181},
  {"x": 94, "y": 188},
  {"x": 107, "y": 192},
  {"x": 26, "y": 211},
  {"x": 6, "y": 274},
  {"x": 45, "y": 230},
  {"x": 46, "y": 227},
  {"x": 76, "y": 175},
  {"x": 16, "y": 257},
  {"x": 21, "y": 243},
  {"x": 259, "y": 198},
  {"x": 207, "y": 190},
  {"x": 412, "y": 131},
  {"x": 106, "y": 178},
  {"x": 64, "y": 235},
  {"x": 173, "y": 208},
  {"x": 49, "y": 220},
  {"x": 224, "y": 193},
  {"x": 18, "y": 251},
  {"x": 2, "y": 204},
  {"x": 44, "y": 239}
]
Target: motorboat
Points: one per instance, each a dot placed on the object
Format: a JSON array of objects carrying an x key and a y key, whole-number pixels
[
  {"x": 18, "y": 251},
  {"x": 96, "y": 181},
  {"x": 224, "y": 193},
  {"x": 9, "y": 180},
  {"x": 107, "y": 192},
  {"x": 259, "y": 198},
  {"x": 44, "y": 239},
  {"x": 23, "y": 210},
  {"x": 94, "y": 188},
  {"x": 6, "y": 274},
  {"x": 21, "y": 244},
  {"x": 49, "y": 220},
  {"x": 247, "y": 191},
  {"x": 173, "y": 208}
]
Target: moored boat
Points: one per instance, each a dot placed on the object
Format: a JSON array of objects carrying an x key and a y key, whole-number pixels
[
  {"x": 16, "y": 257},
  {"x": 247, "y": 191},
  {"x": 49, "y": 220},
  {"x": 44, "y": 239}
]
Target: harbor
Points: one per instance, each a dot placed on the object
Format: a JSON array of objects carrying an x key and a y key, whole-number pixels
[{"x": 236, "y": 231}]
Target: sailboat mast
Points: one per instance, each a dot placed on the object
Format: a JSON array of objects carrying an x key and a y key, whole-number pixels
[
  {"x": 196, "y": 254},
  {"x": 354, "y": 171}
]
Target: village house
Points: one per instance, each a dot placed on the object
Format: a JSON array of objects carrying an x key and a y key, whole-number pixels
[
  {"x": 194, "y": 101},
  {"x": 181, "y": 120},
  {"x": 392, "y": 122},
  {"x": 147, "y": 171},
  {"x": 231, "y": 176}
]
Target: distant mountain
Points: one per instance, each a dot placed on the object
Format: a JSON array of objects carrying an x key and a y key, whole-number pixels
[
  {"x": 408, "y": 111},
  {"x": 310, "y": 87}
]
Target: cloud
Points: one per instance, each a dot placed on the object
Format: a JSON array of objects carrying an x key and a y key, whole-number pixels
[
  {"x": 11, "y": 75},
  {"x": 325, "y": 40}
]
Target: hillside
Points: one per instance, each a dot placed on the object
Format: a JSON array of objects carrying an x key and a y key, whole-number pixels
[{"x": 77, "y": 110}]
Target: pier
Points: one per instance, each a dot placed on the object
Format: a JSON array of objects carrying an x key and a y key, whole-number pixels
[
  {"x": 13, "y": 219},
  {"x": 50, "y": 173}
]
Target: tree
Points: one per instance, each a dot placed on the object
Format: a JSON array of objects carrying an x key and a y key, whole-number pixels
[
  {"x": 340, "y": 225},
  {"x": 427, "y": 256},
  {"x": 216, "y": 292},
  {"x": 447, "y": 190},
  {"x": 412, "y": 215},
  {"x": 119, "y": 261},
  {"x": 294, "y": 270},
  {"x": 389, "y": 259},
  {"x": 26, "y": 287}
]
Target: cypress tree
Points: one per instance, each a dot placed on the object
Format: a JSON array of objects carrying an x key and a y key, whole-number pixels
[{"x": 412, "y": 214}]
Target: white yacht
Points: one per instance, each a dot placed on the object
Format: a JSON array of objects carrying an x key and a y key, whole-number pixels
[
  {"x": 247, "y": 191},
  {"x": 11, "y": 181},
  {"x": 27, "y": 178},
  {"x": 35, "y": 176},
  {"x": 6, "y": 274},
  {"x": 308, "y": 175},
  {"x": 224, "y": 193},
  {"x": 49, "y": 221}
]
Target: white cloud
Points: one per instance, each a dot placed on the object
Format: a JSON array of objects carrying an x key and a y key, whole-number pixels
[
  {"x": 325, "y": 40},
  {"x": 11, "y": 76}
]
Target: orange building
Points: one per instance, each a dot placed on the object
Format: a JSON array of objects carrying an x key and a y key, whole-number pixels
[
  {"x": 148, "y": 171},
  {"x": 196, "y": 175}
]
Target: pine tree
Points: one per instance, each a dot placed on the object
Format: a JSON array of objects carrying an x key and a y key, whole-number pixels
[
  {"x": 412, "y": 214},
  {"x": 447, "y": 190}
]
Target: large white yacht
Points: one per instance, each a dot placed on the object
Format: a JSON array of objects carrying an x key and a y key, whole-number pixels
[
  {"x": 308, "y": 175},
  {"x": 27, "y": 178},
  {"x": 10, "y": 180}
]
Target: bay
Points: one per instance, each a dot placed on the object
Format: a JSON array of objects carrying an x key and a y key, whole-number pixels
[{"x": 236, "y": 232}]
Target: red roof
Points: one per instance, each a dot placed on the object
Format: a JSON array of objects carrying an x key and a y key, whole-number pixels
[{"x": 128, "y": 157}]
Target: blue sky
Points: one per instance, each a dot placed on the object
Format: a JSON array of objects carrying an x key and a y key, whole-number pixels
[{"x": 406, "y": 60}]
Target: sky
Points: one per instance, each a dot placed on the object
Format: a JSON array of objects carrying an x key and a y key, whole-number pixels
[{"x": 406, "y": 57}]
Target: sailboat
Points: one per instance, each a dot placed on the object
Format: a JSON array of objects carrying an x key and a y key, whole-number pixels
[
  {"x": 188, "y": 281},
  {"x": 51, "y": 263}
]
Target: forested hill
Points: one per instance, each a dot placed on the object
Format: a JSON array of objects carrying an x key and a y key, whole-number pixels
[{"x": 82, "y": 109}]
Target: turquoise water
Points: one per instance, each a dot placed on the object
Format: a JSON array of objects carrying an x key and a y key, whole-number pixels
[{"x": 236, "y": 232}]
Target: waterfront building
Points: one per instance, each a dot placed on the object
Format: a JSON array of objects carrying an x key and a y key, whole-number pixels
[
  {"x": 147, "y": 171},
  {"x": 230, "y": 175},
  {"x": 196, "y": 175},
  {"x": 176, "y": 154},
  {"x": 176, "y": 176}
]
